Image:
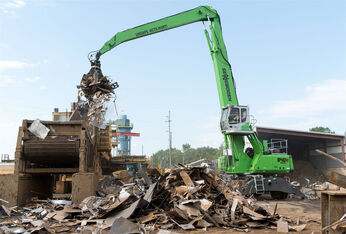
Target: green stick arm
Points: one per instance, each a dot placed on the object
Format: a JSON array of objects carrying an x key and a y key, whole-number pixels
[
  {"x": 224, "y": 77},
  {"x": 187, "y": 17},
  {"x": 223, "y": 71}
]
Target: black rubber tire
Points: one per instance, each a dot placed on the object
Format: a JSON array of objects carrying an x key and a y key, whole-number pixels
[{"x": 277, "y": 195}]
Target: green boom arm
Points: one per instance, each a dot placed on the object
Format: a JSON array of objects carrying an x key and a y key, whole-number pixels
[
  {"x": 239, "y": 162},
  {"x": 223, "y": 72}
]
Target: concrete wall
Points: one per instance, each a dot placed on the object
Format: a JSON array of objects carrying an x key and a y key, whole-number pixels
[
  {"x": 83, "y": 185},
  {"x": 19, "y": 189},
  {"x": 9, "y": 189}
]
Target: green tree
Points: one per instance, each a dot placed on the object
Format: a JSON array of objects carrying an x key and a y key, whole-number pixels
[
  {"x": 184, "y": 156},
  {"x": 186, "y": 147},
  {"x": 162, "y": 157},
  {"x": 321, "y": 129}
]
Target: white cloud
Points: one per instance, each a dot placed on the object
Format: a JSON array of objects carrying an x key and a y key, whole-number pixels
[
  {"x": 43, "y": 87},
  {"x": 4, "y": 64},
  {"x": 319, "y": 98},
  {"x": 15, "y": 4},
  {"x": 322, "y": 105},
  {"x": 32, "y": 79},
  {"x": 10, "y": 5},
  {"x": 6, "y": 81}
]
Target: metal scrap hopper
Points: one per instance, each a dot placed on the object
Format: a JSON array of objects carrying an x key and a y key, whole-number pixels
[
  {"x": 67, "y": 148},
  {"x": 62, "y": 164}
]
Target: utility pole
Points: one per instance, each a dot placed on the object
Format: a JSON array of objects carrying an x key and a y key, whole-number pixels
[{"x": 169, "y": 137}]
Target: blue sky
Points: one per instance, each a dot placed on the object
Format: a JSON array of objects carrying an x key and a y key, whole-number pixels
[{"x": 288, "y": 59}]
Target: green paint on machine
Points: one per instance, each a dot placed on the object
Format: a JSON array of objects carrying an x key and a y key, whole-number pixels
[{"x": 235, "y": 119}]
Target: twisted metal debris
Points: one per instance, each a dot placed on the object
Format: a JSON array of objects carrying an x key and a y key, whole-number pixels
[
  {"x": 181, "y": 198},
  {"x": 98, "y": 90}
]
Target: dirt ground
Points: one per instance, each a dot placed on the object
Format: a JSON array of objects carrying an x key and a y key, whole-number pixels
[{"x": 307, "y": 211}]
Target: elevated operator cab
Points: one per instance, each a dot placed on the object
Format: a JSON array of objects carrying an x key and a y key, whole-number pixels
[{"x": 235, "y": 120}]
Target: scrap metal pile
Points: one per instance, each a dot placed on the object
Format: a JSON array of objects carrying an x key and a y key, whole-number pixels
[
  {"x": 97, "y": 89},
  {"x": 312, "y": 180},
  {"x": 183, "y": 198}
]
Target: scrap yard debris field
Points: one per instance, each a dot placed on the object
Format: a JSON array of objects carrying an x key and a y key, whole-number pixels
[
  {"x": 182, "y": 198},
  {"x": 76, "y": 173}
]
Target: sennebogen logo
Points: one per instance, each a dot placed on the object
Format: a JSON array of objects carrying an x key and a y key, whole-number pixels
[{"x": 225, "y": 78}]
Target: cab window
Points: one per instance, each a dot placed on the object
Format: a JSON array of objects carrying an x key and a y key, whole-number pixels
[
  {"x": 234, "y": 116},
  {"x": 223, "y": 123},
  {"x": 243, "y": 115}
]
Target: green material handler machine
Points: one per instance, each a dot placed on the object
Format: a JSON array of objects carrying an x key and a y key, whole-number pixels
[{"x": 261, "y": 166}]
